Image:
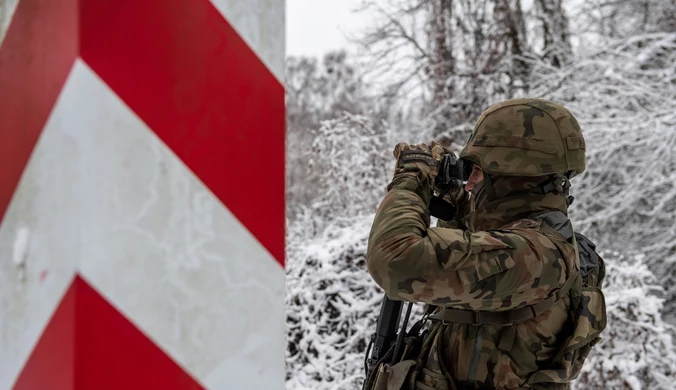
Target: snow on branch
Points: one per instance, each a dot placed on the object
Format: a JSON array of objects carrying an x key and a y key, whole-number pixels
[
  {"x": 349, "y": 167},
  {"x": 332, "y": 305},
  {"x": 637, "y": 350},
  {"x": 624, "y": 97}
]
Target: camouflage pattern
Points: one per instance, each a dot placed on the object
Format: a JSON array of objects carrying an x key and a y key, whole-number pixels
[
  {"x": 527, "y": 137},
  {"x": 420, "y": 163},
  {"x": 498, "y": 260},
  {"x": 494, "y": 256}
]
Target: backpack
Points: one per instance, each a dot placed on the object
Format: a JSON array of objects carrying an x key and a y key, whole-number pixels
[{"x": 589, "y": 307}]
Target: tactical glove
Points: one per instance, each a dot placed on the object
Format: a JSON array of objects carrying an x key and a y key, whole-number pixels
[{"x": 416, "y": 168}]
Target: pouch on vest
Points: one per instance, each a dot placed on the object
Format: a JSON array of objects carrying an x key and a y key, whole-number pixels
[
  {"x": 396, "y": 377},
  {"x": 433, "y": 374},
  {"x": 402, "y": 375}
]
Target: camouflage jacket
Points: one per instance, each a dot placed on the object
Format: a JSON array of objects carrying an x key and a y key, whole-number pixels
[{"x": 502, "y": 259}]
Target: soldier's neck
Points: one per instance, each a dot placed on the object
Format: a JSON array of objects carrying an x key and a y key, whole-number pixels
[{"x": 497, "y": 213}]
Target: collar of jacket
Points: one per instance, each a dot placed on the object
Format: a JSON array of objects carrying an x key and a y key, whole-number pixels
[{"x": 497, "y": 213}]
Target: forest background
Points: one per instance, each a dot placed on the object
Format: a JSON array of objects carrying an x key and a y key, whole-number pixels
[{"x": 424, "y": 70}]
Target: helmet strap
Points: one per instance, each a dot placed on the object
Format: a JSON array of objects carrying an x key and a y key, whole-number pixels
[
  {"x": 570, "y": 198},
  {"x": 559, "y": 185},
  {"x": 553, "y": 185},
  {"x": 488, "y": 184}
]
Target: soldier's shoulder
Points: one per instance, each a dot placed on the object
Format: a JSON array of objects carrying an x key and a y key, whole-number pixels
[
  {"x": 517, "y": 231},
  {"x": 527, "y": 229},
  {"x": 528, "y": 234},
  {"x": 522, "y": 224}
]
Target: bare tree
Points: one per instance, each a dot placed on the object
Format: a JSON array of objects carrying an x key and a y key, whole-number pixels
[
  {"x": 317, "y": 91},
  {"x": 441, "y": 58},
  {"x": 616, "y": 19},
  {"x": 553, "y": 33},
  {"x": 494, "y": 46},
  {"x": 396, "y": 46},
  {"x": 459, "y": 55}
]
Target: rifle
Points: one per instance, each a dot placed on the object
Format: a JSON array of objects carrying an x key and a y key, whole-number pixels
[
  {"x": 452, "y": 173},
  {"x": 384, "y": 336}
]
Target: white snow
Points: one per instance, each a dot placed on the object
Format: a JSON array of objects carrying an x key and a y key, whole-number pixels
[{"x": 633, "y": 382}]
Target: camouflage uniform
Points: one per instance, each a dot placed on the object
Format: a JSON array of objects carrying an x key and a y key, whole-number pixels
[{"x": 495, "y": 256}]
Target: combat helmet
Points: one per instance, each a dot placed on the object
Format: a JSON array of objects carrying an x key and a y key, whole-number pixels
[{"x": 527, "y": 137}]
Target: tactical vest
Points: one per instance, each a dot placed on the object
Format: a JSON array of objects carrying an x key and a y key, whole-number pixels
[{"x": 583, "y": 287}]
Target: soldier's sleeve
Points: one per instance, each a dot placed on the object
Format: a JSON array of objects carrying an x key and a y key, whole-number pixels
[
  {"x": 455, "y": 223},
  {"x": 452, "y": 267}
]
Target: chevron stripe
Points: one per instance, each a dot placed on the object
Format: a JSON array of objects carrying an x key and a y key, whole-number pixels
[
  {"x": 213, "y": 103},
  {"x": 259, "y": 22},
  {"x": 69, "y": 352},
  {"x": 152, "y": 177},
  {"x": 35, "y": 57}
]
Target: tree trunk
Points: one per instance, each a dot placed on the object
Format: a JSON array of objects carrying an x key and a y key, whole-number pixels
[{"x": 555, "y": 35}]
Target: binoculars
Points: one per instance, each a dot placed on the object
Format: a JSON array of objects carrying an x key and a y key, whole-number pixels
[{"x": 453, "y": 172}]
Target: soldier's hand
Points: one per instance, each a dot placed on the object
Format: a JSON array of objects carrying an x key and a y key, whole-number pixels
[
  {"x": 418, "y": 159},
  {"x": 416, "y": 168}
]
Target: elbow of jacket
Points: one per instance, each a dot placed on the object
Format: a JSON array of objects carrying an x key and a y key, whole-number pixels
[
  {"x": 377, "y": 268},
  {"x": 381, "y": 272},
  {"x": 373, "y": 266}
]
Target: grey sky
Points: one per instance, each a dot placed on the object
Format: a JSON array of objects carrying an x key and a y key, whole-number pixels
[{"x": 314, "y": 27}]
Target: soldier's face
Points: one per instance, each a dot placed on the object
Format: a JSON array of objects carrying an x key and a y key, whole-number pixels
[{"x": 476, "y": 176}]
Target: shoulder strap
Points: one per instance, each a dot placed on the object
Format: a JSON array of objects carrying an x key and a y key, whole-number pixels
[{"x": 557, "y": 221}]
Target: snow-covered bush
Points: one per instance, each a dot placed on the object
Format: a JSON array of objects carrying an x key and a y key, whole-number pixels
[
  {"x": 638, "y": 349},
  {"x": 316, "y": 91},
  {"x": 332, "y": 305},
  {"x": 350, "y": 167}
]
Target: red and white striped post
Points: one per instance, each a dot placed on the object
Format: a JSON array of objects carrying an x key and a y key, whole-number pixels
[{"x": 142, "y": 194}]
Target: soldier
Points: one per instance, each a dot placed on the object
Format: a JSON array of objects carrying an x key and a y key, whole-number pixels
[{"x": 513, "y": 309}]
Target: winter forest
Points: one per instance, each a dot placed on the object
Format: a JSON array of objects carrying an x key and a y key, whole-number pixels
[{"x": 424, "y": 70}]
